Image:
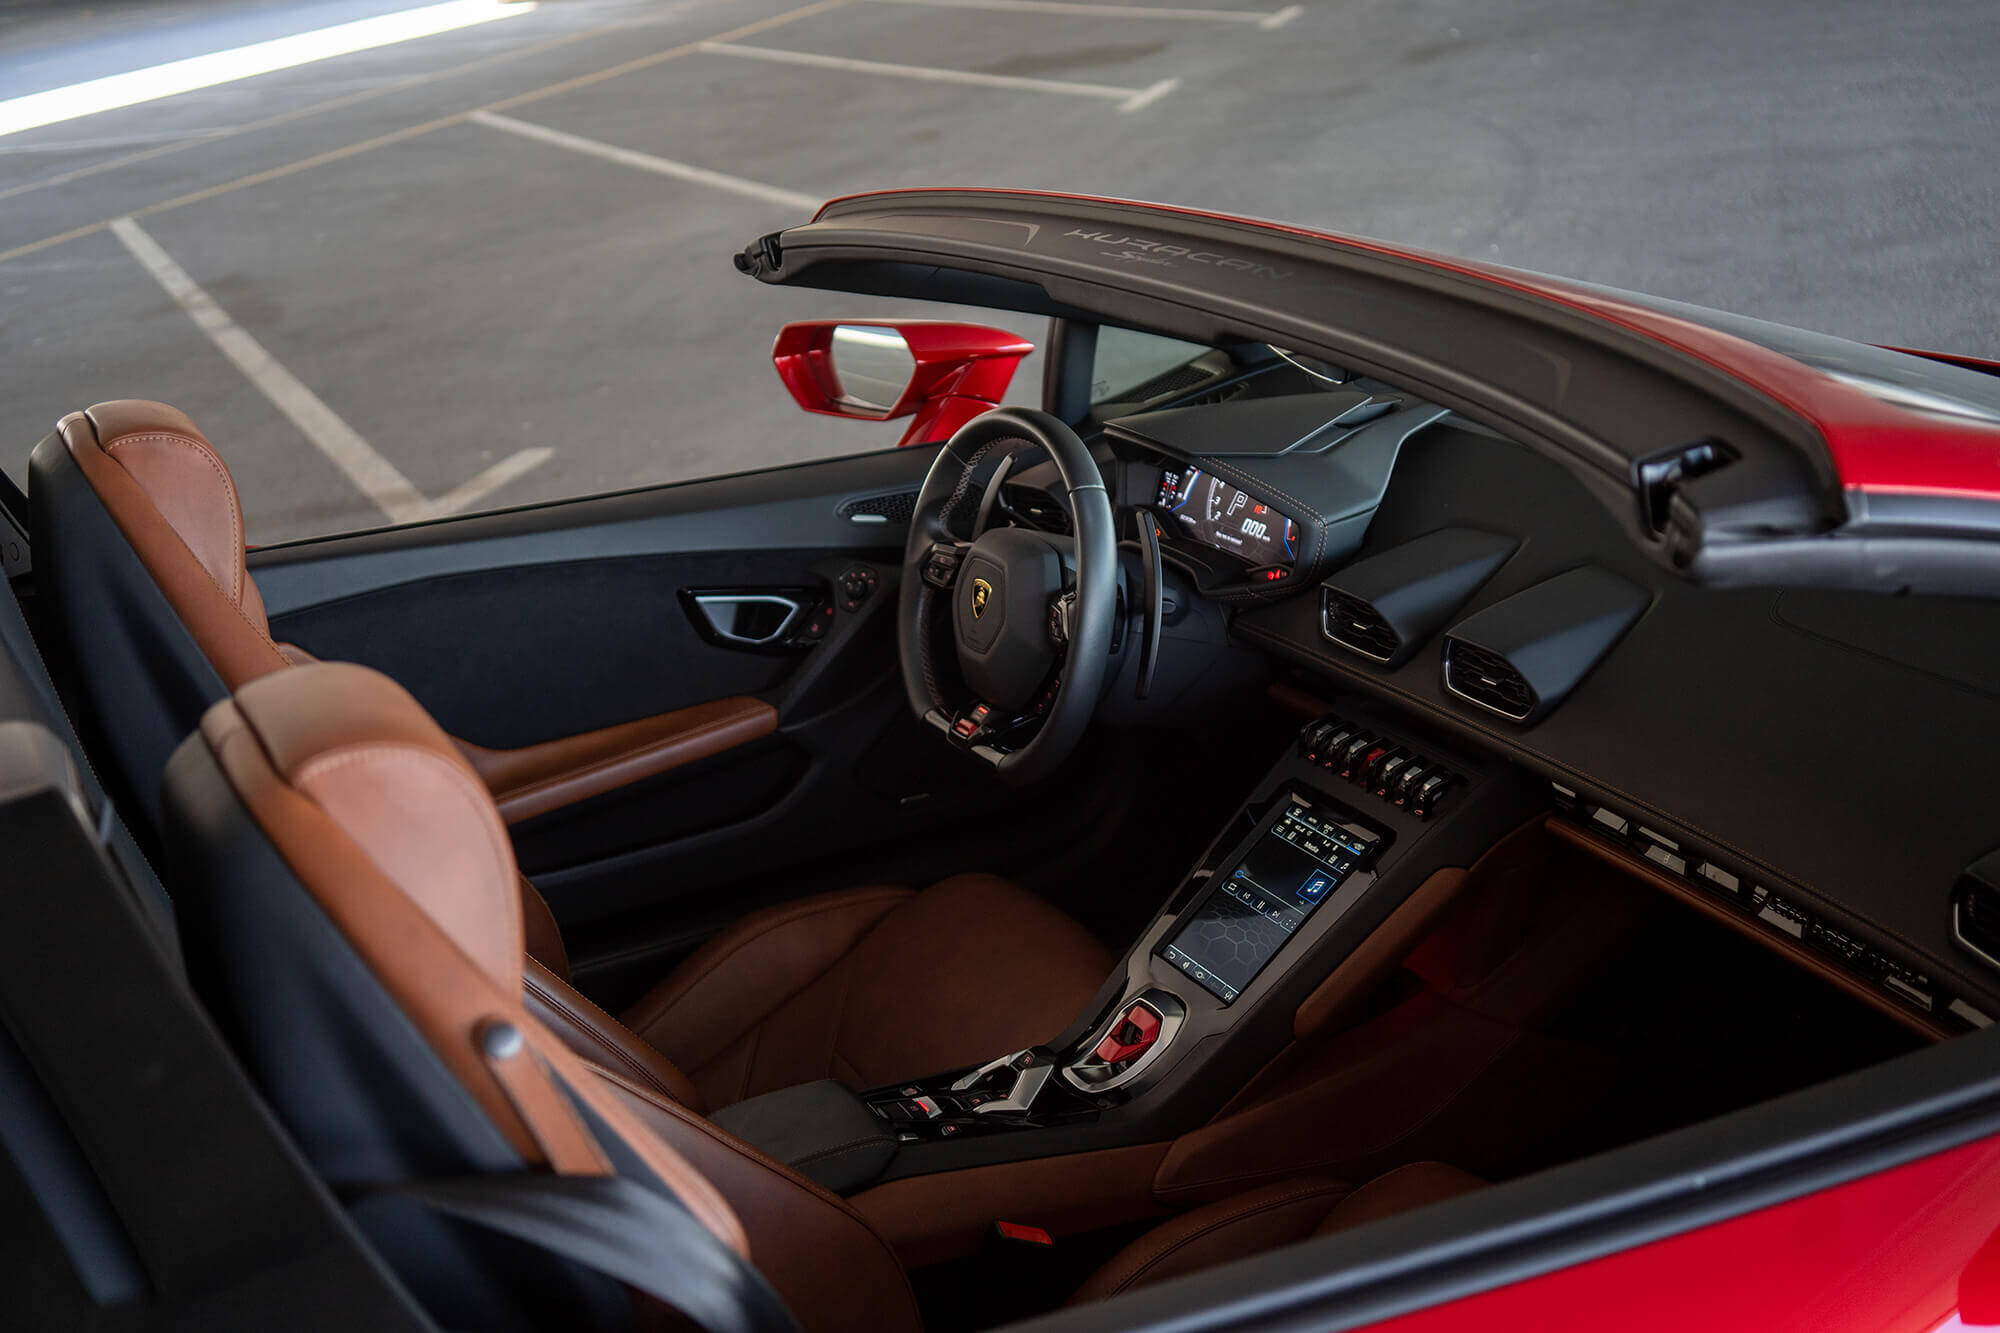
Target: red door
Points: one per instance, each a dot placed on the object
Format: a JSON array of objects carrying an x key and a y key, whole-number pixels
[{"x": 1908, "y": 1250}]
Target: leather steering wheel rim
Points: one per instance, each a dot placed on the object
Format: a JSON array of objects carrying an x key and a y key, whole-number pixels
[{"x": 1096, "y": 559}]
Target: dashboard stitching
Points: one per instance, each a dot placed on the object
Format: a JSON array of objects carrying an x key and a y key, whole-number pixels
[
  {"x": 1778, "y": 876},
  {"x": 1245, "y": 480}
]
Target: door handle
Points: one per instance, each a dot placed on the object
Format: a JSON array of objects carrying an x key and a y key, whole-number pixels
[{"x": 761, "y": 619}]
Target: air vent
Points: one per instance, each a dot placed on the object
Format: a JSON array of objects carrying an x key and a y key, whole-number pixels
[
  {"x": 1387, "y": 605},
  {"x": 1975, "y": 909},
  {"x": 1174, "y": 381},
  {"x": 894, "y": 507},
  {"x": 1522, "y": 656},
  {"x": 1356, "y": 625},
  {"x": 1487, "y": 679}
]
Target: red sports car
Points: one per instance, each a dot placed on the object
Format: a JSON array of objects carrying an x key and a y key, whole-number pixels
[{"x": 1406, "y": 795}]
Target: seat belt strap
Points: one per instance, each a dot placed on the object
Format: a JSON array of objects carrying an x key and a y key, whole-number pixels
[{"x": 623, "y": 1230}]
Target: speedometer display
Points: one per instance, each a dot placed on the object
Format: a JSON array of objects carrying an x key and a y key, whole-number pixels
[{"x": 1209, "y": 510}]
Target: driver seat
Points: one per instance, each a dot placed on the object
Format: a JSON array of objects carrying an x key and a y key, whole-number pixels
[{"x": 140, "y": 535}]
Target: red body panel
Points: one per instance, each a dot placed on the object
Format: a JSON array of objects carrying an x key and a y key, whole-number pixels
[
  {"x": 962, "y": 370},
  {"x": 1907, "y": 1250},
  {"x": 1875, "y": 446}
]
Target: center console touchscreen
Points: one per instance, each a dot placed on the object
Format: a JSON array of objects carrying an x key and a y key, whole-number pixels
[{"x": 1257, "y": 904}]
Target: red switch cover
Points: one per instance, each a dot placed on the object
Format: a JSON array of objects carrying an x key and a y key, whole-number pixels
[{"x": 1137, "y": 1030}]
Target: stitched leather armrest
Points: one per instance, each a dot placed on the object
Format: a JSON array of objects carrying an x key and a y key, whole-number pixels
[{"x": 536, "y": 779}]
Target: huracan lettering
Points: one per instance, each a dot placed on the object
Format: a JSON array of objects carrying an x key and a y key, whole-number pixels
[{"x": 1139, "y": 250}]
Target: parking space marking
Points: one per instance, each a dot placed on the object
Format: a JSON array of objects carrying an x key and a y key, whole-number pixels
[
  {"x": 177, "y": 138},
  {"x": 139, "y": 86},
  {"x": 414, "y": 131},
  {"x": 375, "y": 476},
  {"x": 1128, "y": 99},
  {"x": 660, "y": 166},
  {"x": 1263, "y": 18}
]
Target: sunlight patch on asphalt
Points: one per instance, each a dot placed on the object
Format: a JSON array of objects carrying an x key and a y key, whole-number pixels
[{"x": 183, "y": 76}]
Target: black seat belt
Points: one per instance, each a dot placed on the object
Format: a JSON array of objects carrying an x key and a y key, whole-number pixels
[{"x": 623, "y": 1230}]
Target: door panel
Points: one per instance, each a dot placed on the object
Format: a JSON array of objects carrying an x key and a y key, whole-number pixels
[
  {"x": 518, "y": 654},
  {"x": 531, "y": 627}
]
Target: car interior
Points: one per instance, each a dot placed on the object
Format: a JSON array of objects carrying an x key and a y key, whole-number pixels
[{"x": 1240, "y": 801}]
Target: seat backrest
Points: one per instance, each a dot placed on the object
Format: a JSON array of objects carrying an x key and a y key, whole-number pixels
[
  {"x": 139, "y": 547},
  {"x": 353, "y": 917}
]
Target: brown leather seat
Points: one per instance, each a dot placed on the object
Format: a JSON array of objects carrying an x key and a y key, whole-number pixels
[
  {"x": 869, "y": 986},
  {"x": 380, "y": 818}
]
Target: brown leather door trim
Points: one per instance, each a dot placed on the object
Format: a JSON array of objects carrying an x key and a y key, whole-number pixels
[{"x": 536, "y": 779}]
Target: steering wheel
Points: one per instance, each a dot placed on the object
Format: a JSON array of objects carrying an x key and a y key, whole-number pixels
[{"x": 1030, "y": 612}]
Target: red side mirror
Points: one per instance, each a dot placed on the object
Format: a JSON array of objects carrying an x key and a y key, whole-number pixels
[{"x": 945, "y": 374}]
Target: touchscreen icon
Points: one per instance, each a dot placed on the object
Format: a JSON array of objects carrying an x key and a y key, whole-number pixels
[{"x": 1315, "y": 886}]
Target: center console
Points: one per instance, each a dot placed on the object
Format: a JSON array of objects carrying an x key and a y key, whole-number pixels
[
  {"x": 1307, "y": 855},
  {"x": 1340, "y": 832}
]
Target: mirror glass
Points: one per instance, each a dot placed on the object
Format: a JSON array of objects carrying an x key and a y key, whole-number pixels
[{"x": 872, "y": 365}]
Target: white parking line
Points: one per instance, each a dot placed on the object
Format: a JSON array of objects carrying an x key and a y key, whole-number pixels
[
  {"x": 375, "y": 476},
  {"x": 1263, "y": 18},
  {"x": 1128, "y": 99},
  {"x": 628, "y": 157}
]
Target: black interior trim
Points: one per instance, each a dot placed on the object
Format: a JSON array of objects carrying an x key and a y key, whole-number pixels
[{"x": 1858, "y": 831}]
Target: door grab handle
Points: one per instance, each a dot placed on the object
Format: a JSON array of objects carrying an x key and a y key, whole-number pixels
[{"x": 753, "y": 619}]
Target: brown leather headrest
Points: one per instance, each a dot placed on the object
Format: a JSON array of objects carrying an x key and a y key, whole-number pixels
[
  {"x": 356, "y": 744},
  {"x": 187, "y": 481},
  {"x": 167, "y": 490}
]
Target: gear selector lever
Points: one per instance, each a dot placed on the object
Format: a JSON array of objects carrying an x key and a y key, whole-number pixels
[
  {"x": 1014, "y": 1080},
  {"x": 1122, "y": 1048}
]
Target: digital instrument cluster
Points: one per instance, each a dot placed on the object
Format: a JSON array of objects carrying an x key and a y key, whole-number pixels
[{"x": 1206, "y": 509}]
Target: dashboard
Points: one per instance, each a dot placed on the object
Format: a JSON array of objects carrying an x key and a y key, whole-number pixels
[
  {"x": 1718, "y": 739},
  {"x": 1710, "y": 735}
]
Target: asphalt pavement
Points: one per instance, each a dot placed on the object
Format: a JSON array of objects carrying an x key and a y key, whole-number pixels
[{"x": 491, "y": 266}]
